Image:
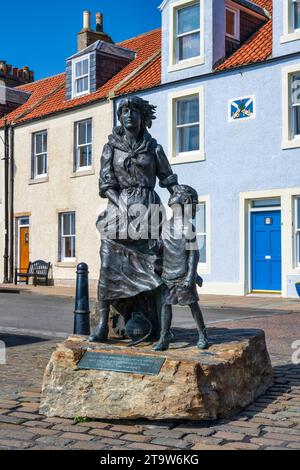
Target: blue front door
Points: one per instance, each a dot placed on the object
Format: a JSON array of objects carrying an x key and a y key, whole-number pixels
[{"x": 266, "y": 250}]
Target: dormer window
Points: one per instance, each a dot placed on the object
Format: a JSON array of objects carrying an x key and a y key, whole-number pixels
[
  {"x": 186, "y": 34},
  {"x": 233, "y": 23},
  {"x": 296, "y": 14},
  {"x": 291, "y": 21},
  {"x": 81, "y": 76}
]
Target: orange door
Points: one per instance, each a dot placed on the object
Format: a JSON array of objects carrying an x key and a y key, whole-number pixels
[{"x": 24, "y": 249}]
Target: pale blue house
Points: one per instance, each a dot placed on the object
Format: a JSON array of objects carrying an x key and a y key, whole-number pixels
[{"x": 228, "y": 116}]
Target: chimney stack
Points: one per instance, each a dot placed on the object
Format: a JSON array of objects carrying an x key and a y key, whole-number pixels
[
  {"x": 15, "y": 76},
  {"x": 87, "y": 35},
  {"x": 87, "y": 20},
  {"x": 99, "y": 22}
]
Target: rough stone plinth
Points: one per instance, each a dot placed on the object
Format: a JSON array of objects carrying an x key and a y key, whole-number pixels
[{"x": 192, "y": 384}]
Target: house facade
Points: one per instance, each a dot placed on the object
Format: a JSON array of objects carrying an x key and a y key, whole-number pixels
[
  {"x": 224, "y": 75},
  {"x": 230, "y": 127},
  {"x": 55, "y": 143}
]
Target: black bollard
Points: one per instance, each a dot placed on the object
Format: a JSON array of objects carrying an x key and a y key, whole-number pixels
[{"x": 82, "y": 308}]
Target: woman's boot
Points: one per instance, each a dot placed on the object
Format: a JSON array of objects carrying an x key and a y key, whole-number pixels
[{"x": 101, "y": 332}]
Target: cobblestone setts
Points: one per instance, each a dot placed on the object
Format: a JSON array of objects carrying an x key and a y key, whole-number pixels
[{"x": 271, "y": 422}]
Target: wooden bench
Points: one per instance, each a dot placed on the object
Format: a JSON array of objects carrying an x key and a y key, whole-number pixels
[{"x": 37, "y": 270}]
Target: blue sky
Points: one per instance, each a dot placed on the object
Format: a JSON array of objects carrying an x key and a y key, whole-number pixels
[{"x": 42, "y": 35}]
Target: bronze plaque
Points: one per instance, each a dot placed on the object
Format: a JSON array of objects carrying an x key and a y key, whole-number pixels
[{"x": 144, "y": 365}]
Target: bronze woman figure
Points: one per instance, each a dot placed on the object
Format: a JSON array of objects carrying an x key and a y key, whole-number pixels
[{"x": 131, "y": 163}]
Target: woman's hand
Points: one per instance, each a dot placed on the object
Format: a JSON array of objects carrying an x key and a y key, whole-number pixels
[{"x": 173, "y": 188}]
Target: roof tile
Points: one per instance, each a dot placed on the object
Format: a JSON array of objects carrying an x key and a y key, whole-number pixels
[
  {"x": 49, "y": 95},
  {"x": 257, "y": 48}
]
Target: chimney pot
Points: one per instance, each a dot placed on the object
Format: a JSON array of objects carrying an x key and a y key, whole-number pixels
[
  {"x": 86, "y": 20},
  {"x": 99, "y": 22}
]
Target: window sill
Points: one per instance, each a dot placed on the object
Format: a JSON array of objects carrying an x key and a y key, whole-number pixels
[
  {"x": 79, "y": 173},
  {"x": 76, "y": 97},
  {"x": 185, "y": 64},
  {"x": 66, "y": 264},
  {"x": 188, "y": 158},
  {"x": 44, "y": 179},
  {"x": 291, "y": 144},
  {"x": 290, "y": 37}
]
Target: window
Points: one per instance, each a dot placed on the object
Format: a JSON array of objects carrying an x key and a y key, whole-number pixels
[
  {"x": 295, "y": 105},
  {"x": 23, "y": 221},
  {"x": 186, "y": 126},
  {"x": 269, "y": 202},
  {"x": 233, "y": 23},
  {"x": 202, "y": 232},
  {"x": 291, "y": 21},
  {"x": 188, "y": 32},
  {"x": 297, "y": 234},
  {"x": 67, "y": 236},
  {"x": 295, "y": 14},
  {"x": 83, "y": 144},
  {"x": 291, "y": 107},
  {"x": 39, "y": 154},
  {"x": 81, "y": 79}
]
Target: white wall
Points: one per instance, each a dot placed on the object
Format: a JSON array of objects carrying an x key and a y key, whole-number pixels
[{"x": 63, "y": 191}]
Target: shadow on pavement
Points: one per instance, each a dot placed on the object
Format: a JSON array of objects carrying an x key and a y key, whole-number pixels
[{"x": 11, "y": 340}]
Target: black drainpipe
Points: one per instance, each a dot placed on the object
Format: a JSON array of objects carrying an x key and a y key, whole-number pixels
[
  {"x": 6, "y": 209},
  {"x": 11, "y": 190}
]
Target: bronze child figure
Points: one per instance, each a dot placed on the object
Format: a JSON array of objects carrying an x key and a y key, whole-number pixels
[{"x": 180, "y": 261}]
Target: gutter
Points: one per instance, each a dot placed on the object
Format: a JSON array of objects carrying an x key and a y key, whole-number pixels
[
  {"x": 11, "y": 201},
  {"x": 6, "y": 209},
  {"x": 8, "y": 256}
]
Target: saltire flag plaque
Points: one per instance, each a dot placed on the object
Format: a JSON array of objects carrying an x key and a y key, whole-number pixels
[{"x": 242, "y": 108}]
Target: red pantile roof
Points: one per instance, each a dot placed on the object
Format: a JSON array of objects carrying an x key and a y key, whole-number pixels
[
  {"x": 257, "y": 48},
  {"x": 49, "y": 95}
]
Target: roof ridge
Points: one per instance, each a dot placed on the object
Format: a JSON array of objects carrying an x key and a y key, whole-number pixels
[
  {"x": 40, "y": 80},
  {"x": 139, "y": 36},
  {"x": 37, "y": 104},
  {"x": 135, "y": 72}
]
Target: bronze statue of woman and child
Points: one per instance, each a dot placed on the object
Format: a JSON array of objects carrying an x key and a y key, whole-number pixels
[{"x": 144, "y": 256}]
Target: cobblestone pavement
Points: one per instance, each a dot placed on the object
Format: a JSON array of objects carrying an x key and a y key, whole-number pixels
[{"x": 271, "y": 422}]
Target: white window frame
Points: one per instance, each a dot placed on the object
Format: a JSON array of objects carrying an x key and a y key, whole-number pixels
[
  {"x": 43, "y": 155},
  {"x": 74, "y": 78},
  {"x": 236, "y": 13},
  {"x": 292, "y": 17},
  {"x": 194, "y": 61},
  {"x": 288, "y": 140},
  {"x": 79, "y": 168},
  {"x": 62, "y": 236},
  {"x": 204, "y": 268},
  {"x": 289, "y": 31},
  {"x": 293, "y": 106},
  {"x": 186, "y": 157},
  {"x": 296, "y": 234}
]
